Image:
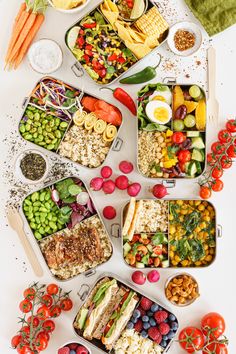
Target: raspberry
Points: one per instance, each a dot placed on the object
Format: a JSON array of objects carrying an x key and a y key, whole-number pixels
[
  {"x": 142, "y": 311},
  {"x": 164, "y": 328},
  {"x": 138, "y": 326},
  {"x": 160, "y": 316},
  {"x": 155, "y": 335},
  {"x": 65, "y": 350},
  {"x": 146, "y": 303}
]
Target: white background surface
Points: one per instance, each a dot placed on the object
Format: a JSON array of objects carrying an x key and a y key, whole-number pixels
[{"x": 216, "y": 282}]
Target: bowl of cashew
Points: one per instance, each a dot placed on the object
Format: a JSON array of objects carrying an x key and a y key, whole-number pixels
[{"x": 181, "y": 289}]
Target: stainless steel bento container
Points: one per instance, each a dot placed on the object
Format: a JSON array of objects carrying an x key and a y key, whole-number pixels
[
  {"x": 88, "y": 272},
  {"x": 116, "y": 230},
  {"x": 84, "y": 292},
  {"x": 171, "y": 182},
  {"x": 116, "y": 143},
  {"x": 77, "y": 67}
]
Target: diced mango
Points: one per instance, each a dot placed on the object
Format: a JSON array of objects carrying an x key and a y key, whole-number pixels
[
  {"x": 178, "y": 97},
  {"x": 191, "y": 106},
  {"x": 201, "y": 115},
  {"x": 169, "y": 133}
]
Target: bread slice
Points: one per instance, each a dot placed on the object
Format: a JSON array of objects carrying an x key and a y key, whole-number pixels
[
  {"x": 138, "y": 208},
  {"x": 128, "y": 216}
]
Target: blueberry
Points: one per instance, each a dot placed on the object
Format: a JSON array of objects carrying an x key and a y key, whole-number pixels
[
  {"x": 136, "y": 314},
  {"x": 134, "y": 320},
  {"x": 166, "y": 320},
  {"x": 152, "y": 322},
  {"x": 163, "y": 343},
  {"x": 146, "y": 325},
  {"x": 130, "y": 325},
  {"x": 165, "y": 338},
  {"x": 171, "y": 317},
  {"x": 150, "y": 313},
  {"x": 145, "y": 318},
  {"x": 171, "y": 335},
  {"x": 72, "y": 352},
  {"x": 154, "y": 308},
  {"x": 144, "y": 334},
  {"x": 174, "y": 326}
]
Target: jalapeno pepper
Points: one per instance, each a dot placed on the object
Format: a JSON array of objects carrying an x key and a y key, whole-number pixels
[
  {"x": 123, "y": 97},
  {"x": 140, "y": 77}
]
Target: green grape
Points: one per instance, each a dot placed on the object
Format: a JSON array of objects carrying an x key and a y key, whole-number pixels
[
  {"x": 189, "y": 121},
  {"x": 178, "y": 125}
]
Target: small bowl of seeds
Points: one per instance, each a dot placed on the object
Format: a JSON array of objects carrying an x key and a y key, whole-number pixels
[
  {"x": 181, "y": 289},
  {"x": 31, "y": 166},
  {"x": 185, "y": 38}
]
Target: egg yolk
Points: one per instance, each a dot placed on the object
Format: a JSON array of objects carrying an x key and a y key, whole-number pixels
[
  {"x": 161, "y": 114},
  {"x": 159, "y": 98}
]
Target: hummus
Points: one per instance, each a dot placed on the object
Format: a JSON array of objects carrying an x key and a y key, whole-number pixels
[{"x": 67, "y": 4}]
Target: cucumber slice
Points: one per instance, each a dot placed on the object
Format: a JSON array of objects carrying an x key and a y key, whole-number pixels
[
  {"x": 150, "y": 248},
  {"x": 199, "y": 167},
  {"x": 165, "y": 264},
  {"x": 139, "y": 265},
  {"x": 197, "y": 155},
  {"x": 192, "y": 169},
  {"x": 192, "y": 134},
  {"x": 72, "y": 36},
  {"x": 126, "y": 248},
  {"x": 198, "y": 143}
]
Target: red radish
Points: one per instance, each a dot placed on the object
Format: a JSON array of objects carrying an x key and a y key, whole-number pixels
[
  {"x": 122, "y": 182},
  {"x": 138, "y": 277},
  {"x": 82, "y": 198},
  {"x": 55, "y": 196},
  {"x": 81, "y": 350},
  {"x": 153, "y": 276},
  {"x": 109, "y": 212},
  {"x": 108, "y": 186},
  {"x": 126, "y": 167},
  {"x": 96, "y": 183},
  {"x": 134, "y": 189},
  {"x": 106, "y": 172},
  {"x": 159, "y": 191}
]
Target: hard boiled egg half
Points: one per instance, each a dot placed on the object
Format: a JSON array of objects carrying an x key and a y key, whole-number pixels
[
  {"x": 164, "y": 96},
  {"x": 158, "y": 112}
]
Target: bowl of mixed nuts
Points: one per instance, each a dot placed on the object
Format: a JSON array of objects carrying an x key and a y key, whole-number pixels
[{"x": 181, "y": 289}]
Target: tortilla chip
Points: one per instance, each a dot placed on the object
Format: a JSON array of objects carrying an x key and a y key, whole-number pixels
[
  {"x": 138, "y": 207},
  {"x": 129, "y": 216},
  {"x": 152, "y": 42},
  {"x": 123, "y": 32},
  {"x": 136, "y": 35},
  {"x": 138, "y": 49},
  {"x": 110, "y": 11}
]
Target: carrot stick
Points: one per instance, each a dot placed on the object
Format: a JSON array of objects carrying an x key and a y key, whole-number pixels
[
  {"x": 23, "y": 35},
  {"x": 16, "y": 32},
  {"x": 30, "y": 37}
]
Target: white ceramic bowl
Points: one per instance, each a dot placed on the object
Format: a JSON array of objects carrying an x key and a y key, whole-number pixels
[
  {"x": 70, "y": 11},
  {"x": 77, "y": 342},
  {"x": 188, "y": 26},
  {"x": 19, "y": 173}
]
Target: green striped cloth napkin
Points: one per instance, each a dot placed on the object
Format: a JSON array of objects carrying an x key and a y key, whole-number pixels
[{"x": 215, "y": 15}]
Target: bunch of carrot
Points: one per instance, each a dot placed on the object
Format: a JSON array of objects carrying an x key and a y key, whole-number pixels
[{"x": 26, "y": 25}]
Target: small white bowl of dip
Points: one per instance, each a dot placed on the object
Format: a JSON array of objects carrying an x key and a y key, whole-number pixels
[
  {"x": 45, "y": 56},
  {"x": 73, "y": 10}
]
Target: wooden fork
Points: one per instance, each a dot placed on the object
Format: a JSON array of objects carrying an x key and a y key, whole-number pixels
[
  {"x": 212, "y": 104},
  {"x": 16, "y": 223}
]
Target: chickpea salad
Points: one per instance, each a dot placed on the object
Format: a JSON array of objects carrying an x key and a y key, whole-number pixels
[
  {"x": 171, "y": 131},
  {"x": 73, "y": 124},
  {"x": 184, "y": 236}
]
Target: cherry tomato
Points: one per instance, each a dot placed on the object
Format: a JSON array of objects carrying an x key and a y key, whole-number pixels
[
  {"x": 217, "y": 172},
  {"x": 182, "y": 166},
  {"x": 49, "y": 326},
  {"x": 66, "y": 304},
  {"x": 205, "y": 192},
  {"x": 231, "y": 125},
  {"x": 224, "y": 136},
  {"x": 211, "y": 159},
  {"x": 24, "y": 349},
  {"x": 43, "y": 312},
  {"x": 178, "y": 138},
  {"x": 25, "y": 331},
  {"x": 231, "y": 151},
  {"x": 191, "y": 339},
  {"x": 47, "y": 300},
  {"x": 217, "y": 185},
  {"x": 16, "y": 340},
  {"x": 44, "y": 335},
  {"x": 52, "y": 289},
  {"x": 217, "y": 148},
  {"x": 35, "y": 321},
  {"x": 215, "y": 322},
  {"x": 25, "y": 306},
  {"x": 55, "y": 311},
  {"x": 184, "y": 156},
  {"x": 216, "y": 348},
  {"x": 41, "y": 343},
  {"x": 29, "y": 293},
  {"x": 226, "y": 162}
]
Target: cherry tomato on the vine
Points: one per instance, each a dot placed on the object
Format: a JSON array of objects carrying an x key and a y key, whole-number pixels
[
  {"x": 178, "y": 138},
  {"x": 205, "y": 192},
  {"x": 224, "y": 136},
  {"x": 24, "y": 349},
  {"x": 217, "y": 172},
  {"x": 29, "y": 293},
  {"x": 191, "y": 339},
  {"x": 231, "y": 125},
  {"x": 43, "y": 312},
  {"x": 216, "y": 348},
  {"x": 184, "y": 156},
  {"x": 35, "y": 321},
  {"x": 41, "y": 343},
  {"x": 52, "y": 289},
  {"x": 44, "y": 335},
  {"x": 231, "y": 151},
  {"x": 25, "y": 331},
  {"x": 211, "y": 160},
  {"x": 214, "y": 322},
  {"x": 47, "y": 300},
  {"x": 217, "y": 185},
  {"x": 217, "y": 148},
  {"x": 66, "y": 304},
  {"x": 55, "y": 311},
  {"x": 49, "y": 326},
  {"x": 25, "y": 306},
  {"x": 226, "y": 162},
  {"x": 16, "y": 340}
]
